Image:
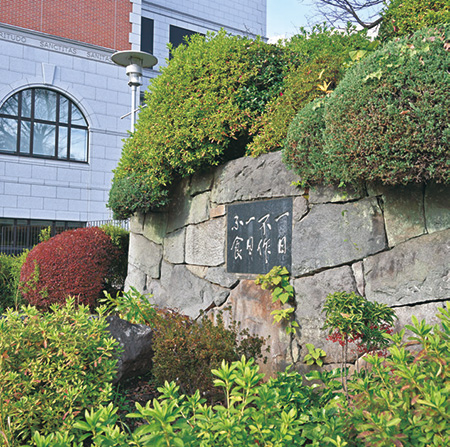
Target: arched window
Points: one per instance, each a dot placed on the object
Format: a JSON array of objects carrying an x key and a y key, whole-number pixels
[{"x": 39, "y": 122}]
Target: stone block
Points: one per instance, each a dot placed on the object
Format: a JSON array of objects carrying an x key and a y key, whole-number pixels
[
  {"x": 333, "y": 194},
  {"x": 199, "y": 208},
  {"x": 219, "y": 275},
  {"x": 252, "y": 306},
  {"x": 310, "y": 296},
  {"x": 136, "y": 278},
  {"x": 358, "y": 273},
  {"x": 205, "y": 243},
  {"x": 155, "y": 227},
  {"x": 217, "y": 211},
  {"x": 335, "y": 234},
  {"x": 413, "y": 272},
  {"x": 179, "y": 206},
  {"x": 299, "y": 208},
  {"x": 254, "y": 178},
  {"x": 427, "y": 312},
  {"x": 403, "y": 213},
  {"x": 437, "y": 207},
  {"x": 137, "y": 223},
  {"x": 180, "y": 289},
  {"x": 136, "y": 341},
  {"x": 201, "y": 182},
  {"x": 174, "y": 246},
  {"x": 197, "y": 270},
  {"x": 145, "y": 255}
]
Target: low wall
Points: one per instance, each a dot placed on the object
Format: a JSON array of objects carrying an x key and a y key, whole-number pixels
[{"x": 389, "y": 244}]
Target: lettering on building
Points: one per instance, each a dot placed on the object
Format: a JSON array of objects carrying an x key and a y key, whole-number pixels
[
  {"x": 12, "y": 37},
  {"x": 259, "y": 236},
  {"x": 98, "y": 56},
  {"x": 57, "y": 47}
]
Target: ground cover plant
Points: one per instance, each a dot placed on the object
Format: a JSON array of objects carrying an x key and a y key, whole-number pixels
[
  {"x": 53, "y": 366},
  {"x": 402, "y": 401},
  {"x": 386, "y": 121},
  {"x": 75, "y": 262}
]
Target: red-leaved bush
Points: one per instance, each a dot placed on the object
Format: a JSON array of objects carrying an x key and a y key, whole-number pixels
[{"x": 75, "y": 263}]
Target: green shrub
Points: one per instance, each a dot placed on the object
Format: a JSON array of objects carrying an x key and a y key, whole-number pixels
[
  {"x": 405, "y": 399},
  {"x": 404, "y": 17},
  {"x": 387, "y": 120},
  {"x": 317, "y": 69},
  {"x": 282, "y": 413},
  {"x": 304, "y": 146},
  {"x": 75, "y": 262},
  {"x": 120, "y": 238},
  {"x": 185, "y": 350},
  {"x": 10, "y": 267},
  {"x": 199, "y": 113},
  {"x": 52, "y": 366}
]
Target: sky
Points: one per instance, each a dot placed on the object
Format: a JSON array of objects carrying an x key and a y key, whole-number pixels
[{"x": 285, "y": 17}]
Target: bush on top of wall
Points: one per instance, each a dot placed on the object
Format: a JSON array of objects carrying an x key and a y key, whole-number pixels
[
  {"x": 322, "y": 53},
  {"x": 387, "y": 120},
  {"x": 75, "y": 262},
  {"x": 404, "y": 17},
  {"x": 205, "y": 108}
]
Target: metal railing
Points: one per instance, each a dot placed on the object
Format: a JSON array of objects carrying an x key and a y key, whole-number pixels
[{"x": 14, "y": 239}]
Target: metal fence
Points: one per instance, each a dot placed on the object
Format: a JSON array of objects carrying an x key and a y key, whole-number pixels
[{"x": 14, "y": 239}]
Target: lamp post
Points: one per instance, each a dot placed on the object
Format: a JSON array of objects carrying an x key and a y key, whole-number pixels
[{"x": 134, "y": 61}]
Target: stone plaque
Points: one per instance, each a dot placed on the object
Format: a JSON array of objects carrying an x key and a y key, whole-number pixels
[{"x": 259, "y": 236}]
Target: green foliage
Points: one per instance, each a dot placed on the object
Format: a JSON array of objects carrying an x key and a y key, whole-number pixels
[
  {"x": 120, "y": 238},
  {"x": 281, "y": 412},
  {"x": 352, "y": 318},
  {"x": 199, "y": 113},
  {"x": 45, "y": 234},
  {"x": 10, "y": 267},
  {"x": 52, "y": 366},
  {"x": 314, "y": 355},
  {"x": 405, "y": 399},
  {"x": 404, "y": 17},
  {"x": 304, "y": 148},
  {"x": 387, "y": 121},
  {"x": 131, "y": 306},
  {"x": 186, "y": 350},
  {"x": 316, "y": 68},
  {"x": 277, "y": 281}
]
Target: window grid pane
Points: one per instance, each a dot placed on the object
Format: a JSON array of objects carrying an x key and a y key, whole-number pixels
[{"x": 47, "y": 122}]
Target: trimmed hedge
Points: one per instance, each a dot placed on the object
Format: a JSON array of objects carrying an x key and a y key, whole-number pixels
[
  {"x": 387, "y": 120},
  {"x": 75, "y": 262}
]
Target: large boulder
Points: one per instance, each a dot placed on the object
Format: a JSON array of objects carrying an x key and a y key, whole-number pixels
[{"x": 136, "y": 341}]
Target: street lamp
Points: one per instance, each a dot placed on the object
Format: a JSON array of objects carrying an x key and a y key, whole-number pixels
[{"x": 134, "y": 61}]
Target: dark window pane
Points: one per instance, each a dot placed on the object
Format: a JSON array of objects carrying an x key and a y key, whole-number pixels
[
  {"x": 77, "y": 116},
  {"x": 11, "y": 106},
  {"x": 177, "y": 36},
  {"x": 25, "y": 133},
  {"x": 26, "y": 103},
  {"x": 44, "y": 139},
  {"x": 45, "y": 105},
  {"x": 8, "y": 134},
  {"x": 78, "y": 144},
  {"x": 63, "y": 110},
  {"x": 62, "y": 142},
  {"x": 147, "y": 35}
]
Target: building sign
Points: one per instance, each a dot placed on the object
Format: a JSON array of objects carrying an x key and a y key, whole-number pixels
[{"x": 259, "y": 236}]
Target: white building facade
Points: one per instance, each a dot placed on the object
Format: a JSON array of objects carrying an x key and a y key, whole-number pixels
[{"x": 62, "y": 99}]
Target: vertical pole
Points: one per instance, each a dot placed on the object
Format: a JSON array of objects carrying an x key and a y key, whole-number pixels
[{"x": 133, "y": 106}]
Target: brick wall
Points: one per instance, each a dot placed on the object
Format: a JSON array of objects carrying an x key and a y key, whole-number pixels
[{"x": 99, "y": 22}]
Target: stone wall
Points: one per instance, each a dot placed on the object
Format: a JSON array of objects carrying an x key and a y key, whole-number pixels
[{"x": 389, "y": 244}]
